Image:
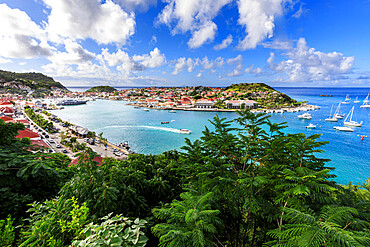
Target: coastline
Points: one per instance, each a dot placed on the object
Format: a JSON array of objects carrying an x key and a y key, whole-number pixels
[{"x": 304, "y": 107}]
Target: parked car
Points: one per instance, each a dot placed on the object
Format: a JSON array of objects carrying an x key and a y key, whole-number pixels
[
  {"x": 51, "y": 141},
  {"x": 58, "y": 146},
  {"x": 47, "y": 136},
  {"x": 65, "y": 151}
]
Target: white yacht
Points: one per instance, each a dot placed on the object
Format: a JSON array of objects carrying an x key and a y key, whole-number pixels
[
  {"x": 331, "y": 118},
  {"x": 347, "y": 100},
  {"x": 350, "y": 122},
  {"x": 366, "y": 101},
  {"x": 343, "y": 128},
  {"x": 305, "y": 116},
  {"x": 311, "y": 126},
  {"x": 172, "y": 111},
  {"x": 145, "y": 109},
  {"x": 356, "y": 100},
  {"x": 338, "y": 115}
]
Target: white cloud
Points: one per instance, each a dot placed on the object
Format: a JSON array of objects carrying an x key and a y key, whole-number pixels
[
  {"x": 192, "y": 15},
  {"x": 306, "y": 64},
  {"x": 183, "y": 63},
  {"x": 81, "y": 19},
  {"x": 278, "y": 45},
  {"x": 238, "y": 66},
  {"x": 4, "y": 60},
  {"x": 153, "y": 60},
  {"x": 207, "y": 64},
  {"x": 74, "y": 54},
  {"x": 141, "y": 5},
  {"x": 20, "y": 37},
  {"x": 205, "y": 33},
  {"x": 199, "y": 74},
  {"x": 225, "y": 43},
  {"x": 258, "y": 16}
]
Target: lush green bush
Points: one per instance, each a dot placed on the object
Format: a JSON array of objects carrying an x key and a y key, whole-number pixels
[{"x": 7, "y": 232}]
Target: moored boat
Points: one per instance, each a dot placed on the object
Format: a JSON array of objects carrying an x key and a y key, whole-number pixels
[
  {"x": 165, "y": 122},
  {"x": 172, "y": 111},
  {"x": 331, "y": 118},
  {"x": 311, "y": 126},
  {"x": 343, "y": 128},
  {"x": 347, "y": 100},
  {"x": 305, "y": 116},
  {"x": 351, "y": 122}
]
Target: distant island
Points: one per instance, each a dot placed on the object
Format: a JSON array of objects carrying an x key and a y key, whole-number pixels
[
  {"x": 35, "y": 84},
  {"x": 101, "y": 89}
]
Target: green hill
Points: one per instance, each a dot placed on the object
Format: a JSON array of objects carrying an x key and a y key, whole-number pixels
[
  {"x": 266, "y": 96},
  {"x": 100, "y": 89},
  {"x": 33, "y": 83}
]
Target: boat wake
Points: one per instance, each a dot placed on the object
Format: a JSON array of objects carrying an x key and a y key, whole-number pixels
[{"x": 143, "y": 127}]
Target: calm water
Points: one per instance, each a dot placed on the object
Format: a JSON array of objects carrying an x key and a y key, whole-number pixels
[{"x": 145, "y": 134}]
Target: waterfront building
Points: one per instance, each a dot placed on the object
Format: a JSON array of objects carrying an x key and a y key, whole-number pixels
[
  {"x": 238, "y": 104},
  {"x": 203, "y": 103}
]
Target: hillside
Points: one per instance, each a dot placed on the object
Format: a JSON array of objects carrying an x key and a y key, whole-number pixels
[
  {"x": 100, "y": 89},
  {"x": 33, "y": 83},
  {"x": 266, "y": 96}
]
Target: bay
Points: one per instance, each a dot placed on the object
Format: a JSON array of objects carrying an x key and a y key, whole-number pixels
[{"x": 145, "y": 133}]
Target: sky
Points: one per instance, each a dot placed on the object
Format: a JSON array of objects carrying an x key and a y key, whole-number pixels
[{"x": 292, "y": 43}]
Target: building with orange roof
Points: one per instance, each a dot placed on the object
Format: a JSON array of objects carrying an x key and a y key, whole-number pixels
[{"x": 28, "y": 133}]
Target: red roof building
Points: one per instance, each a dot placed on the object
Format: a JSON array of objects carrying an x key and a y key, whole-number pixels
[
  {"x": 6, "y": 118},
  {"x": 7, "y": 110},
  {"x": 28, "y": 133},
  {"x": 39, "y": 143}
]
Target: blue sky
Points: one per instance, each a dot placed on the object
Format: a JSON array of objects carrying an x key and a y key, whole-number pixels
[{"x": 188, "y": 42}]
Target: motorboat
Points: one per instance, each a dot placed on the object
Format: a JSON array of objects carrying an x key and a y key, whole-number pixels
[
  {"x": 311, "y": 126},
  {"x": 172, "y": 111},
  {"x": 331, "y": 118},
  {"x": 343, "y": 128},
  {"x": 305, "y": 116},
  {"x": 165, "y": 122},
  {"x": 185, "y": 131},
  {"x": 145, "y": 109},
  {"x": 350, "y": 122}
]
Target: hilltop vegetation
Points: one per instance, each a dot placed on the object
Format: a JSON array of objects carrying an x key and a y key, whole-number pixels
[
  {"x": 253, "y": 185},
  {"x": 266, "y": 96},
  {"x": 100, "y": 89},
  {"x": 23, "y": 83}
]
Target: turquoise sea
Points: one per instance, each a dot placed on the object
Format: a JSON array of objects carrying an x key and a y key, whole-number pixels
[{"x": 145, "y": 133}]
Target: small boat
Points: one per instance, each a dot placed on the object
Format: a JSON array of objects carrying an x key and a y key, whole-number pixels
[
  {"x": 137, "y": 107},
  {"x": 347, "y": 129},
  {"x": 331, "y": 118},
  {"x": 366, "y": 101},
  {"x": 305, "y": 116},
  {"x": 172, "y": 111},
  {"x": 347, "y": 100},
  {"x": 351, "y": 122},
  {"x": 311, "y": 126},
  {"x": 145, "y": 109},
  {"x": 337, "y": 115},
  {"x": 356, "y": 100},
  {"x": 165, "y": 122},
  {"x": 326, "y": 95},
  {"x": 185, "y": 131}
]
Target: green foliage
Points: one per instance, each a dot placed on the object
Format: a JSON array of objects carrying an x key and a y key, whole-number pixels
[
  {"x": 189, "y": 222},
  {"x": 7, "y": 233},
  {"x": 332, "y": 226},
  {"x": 113, "y": 231},
  {"x": 55, "y": 223}
]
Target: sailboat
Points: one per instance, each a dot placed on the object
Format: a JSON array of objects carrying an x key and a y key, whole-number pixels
[
  {"x": 337, "y": 115},
  {"x": 331, "y": 118},
  {"x": 351, "y": 122},
  {"x": 356, "y": 100},
  {"x": 346, "y": 100},
  {"x": 366, "y": 101}
]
